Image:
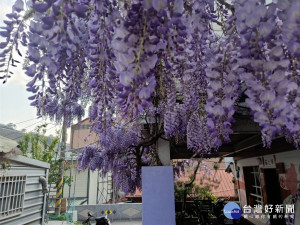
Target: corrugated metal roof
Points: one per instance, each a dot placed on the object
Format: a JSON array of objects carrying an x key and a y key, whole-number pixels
[
  {"x": 27, "y": 161},
  {"x": 6, "y": 145}
]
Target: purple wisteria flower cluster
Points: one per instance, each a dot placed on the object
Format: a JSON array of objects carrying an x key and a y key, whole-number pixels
[
  {"x": 118, "y": 144},
  {"x": 270, "y": 67},
  {"x": 150, "y": 69}
]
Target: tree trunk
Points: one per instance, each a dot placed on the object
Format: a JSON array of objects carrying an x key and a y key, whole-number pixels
[{"x": 61, "y": 169}]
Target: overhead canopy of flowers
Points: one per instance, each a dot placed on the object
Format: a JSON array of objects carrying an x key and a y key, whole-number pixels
[{"x": 150, "y": 69}]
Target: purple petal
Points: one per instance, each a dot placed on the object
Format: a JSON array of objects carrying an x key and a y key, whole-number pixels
[
  {"x": 12, "y": 16},
  {"x": 276, "y": 51},
  {"x": 283, "y": 4},
  {"x": 56, "y": 9},
  {"x": 144, "y": 93},
  {"x": 178, "y": 6},
  {"x": 180, "y": 40},
  {"x": 41, "y": 7},
  {"x": 268, "y": 96},
  {"x": 218, "y": 110},
  {"x": 149, "y": 64},
  {"x": 125, "y": 78},
  {"x": 4, "y": 34},
  {"x": 31, "y": 70},
  {"x": 34, "y": 103},
  {"x": 265, "y": 29},
  {"x": 34, "y": 54},
  {"x": 80, "y": 10},
  {"x": 48, "y": 20},
  {"x": 93, "y": 83},
  {"x": 31, "y": 83},
  {"x": 50, "y": 2},
  {"x": 32, "y": 97},
  {"x": 147, "y": 4},
  {"x": 8, "y": 22},
  {"x": 19, "y": 5}
]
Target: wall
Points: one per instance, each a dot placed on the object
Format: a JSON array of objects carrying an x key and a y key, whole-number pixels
[
  {"x": 34, "y": 199},
  {"x": 289, "y": 180},
  {"x": 80, "y": 184},
  {"x": 80, "y": 137},
  {"x": 125, "y": 211},
  {"x": 93, "y": 187}
]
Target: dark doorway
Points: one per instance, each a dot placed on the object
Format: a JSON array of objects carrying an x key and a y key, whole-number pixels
[
  {"x": 253, "y": 185},
  {"x": 273, "y": 195}
]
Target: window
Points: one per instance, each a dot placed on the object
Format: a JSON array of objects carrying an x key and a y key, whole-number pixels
[
  {"x": 253, "y": 186},
  {"x": 256, "y": 187},
  {"x": 12, "y": 191}
]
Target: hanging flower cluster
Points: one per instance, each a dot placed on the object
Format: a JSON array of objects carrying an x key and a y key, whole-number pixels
[
  {"x": 222, "y": 91},
  {"x": 269, "y": 68},
  {"x": 118, "y": 144},
  {"x": 150, "y": 69}
]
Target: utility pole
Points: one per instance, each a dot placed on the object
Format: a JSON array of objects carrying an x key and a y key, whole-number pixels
[{"x": 60, "y": 179}]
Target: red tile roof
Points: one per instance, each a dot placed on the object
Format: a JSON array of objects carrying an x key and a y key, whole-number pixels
[
  {"x": 219, "y": 181},
  {"x": 137, "y": 193}
]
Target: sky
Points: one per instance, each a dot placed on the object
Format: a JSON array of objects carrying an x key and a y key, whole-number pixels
[{"x": 14, "y": 104}]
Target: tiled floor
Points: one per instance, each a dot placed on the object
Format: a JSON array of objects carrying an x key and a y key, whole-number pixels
[{"x": 128, "y": 222}]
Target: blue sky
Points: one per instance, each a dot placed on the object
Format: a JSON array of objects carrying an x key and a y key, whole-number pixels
[{"x": 14, "y": 105}]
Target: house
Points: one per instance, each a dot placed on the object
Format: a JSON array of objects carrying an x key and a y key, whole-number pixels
[
  {"x": 23, "y": 186},
  {"x": 263, "y": 176},
  {"x": 87, "y": 187},
  {"x": 269, "y": 178}
]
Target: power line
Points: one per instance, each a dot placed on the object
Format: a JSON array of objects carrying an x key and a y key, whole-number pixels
[
  {"x": 26, "y": 121},
  {"x": 52, "y": 127},
  {"x": 33, "y": 124},
  {"x": 27, "y": 132},
  {"x": 18, "y": 131}
]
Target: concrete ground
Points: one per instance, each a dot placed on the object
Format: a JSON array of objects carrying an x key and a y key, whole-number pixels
[{"x": 116, "y": 222}]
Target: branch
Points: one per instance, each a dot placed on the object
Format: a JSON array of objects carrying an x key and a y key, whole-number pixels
[
  {"x": 194, "y": 175},
  {"x": 166, "y": 139},
  {"x": 189, "y": 184},
  {"x": 148, "y": 142},
  {"x": 227, "y": 5},
  {"x": 219, "y": 23}
]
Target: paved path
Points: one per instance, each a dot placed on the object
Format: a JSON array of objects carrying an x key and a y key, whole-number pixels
[
  {"x": 126, "y": 222},
  {"x": 116, "y": 222}
]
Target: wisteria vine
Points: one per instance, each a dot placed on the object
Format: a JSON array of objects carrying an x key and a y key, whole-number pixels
[{"x": 150, "y": 69}]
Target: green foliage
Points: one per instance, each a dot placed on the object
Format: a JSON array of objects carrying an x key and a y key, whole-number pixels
[
  {"x": 216, "y": 166},
  {"x": 61, "y": 217},
  {"x": 182, "y": 214},
  {"x": 5, "y": 165},
  {"x": 38, "y": 146},
  {"x": 192, "y": 190},
  {"x": 67, "y": 179},
  {"x": 202, "y": 193}
]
